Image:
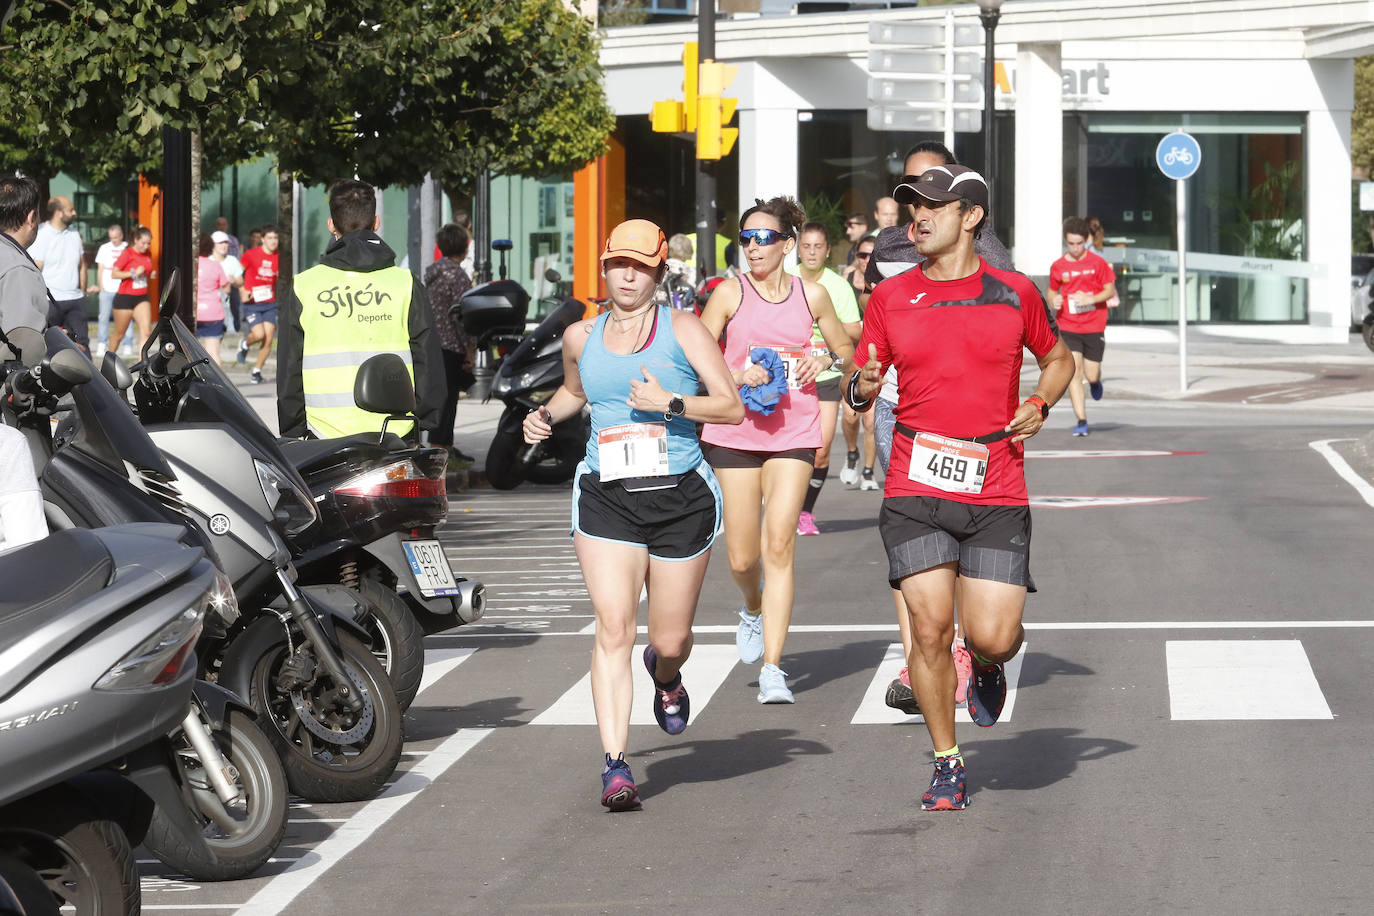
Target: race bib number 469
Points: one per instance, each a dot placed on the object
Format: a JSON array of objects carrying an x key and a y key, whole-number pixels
[
  {"x": 952, "y": 465},
  {"x": 633, "y": 450}
]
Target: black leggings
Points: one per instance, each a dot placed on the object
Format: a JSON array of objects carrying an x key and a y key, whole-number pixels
[{"x": 456, "y": 381}]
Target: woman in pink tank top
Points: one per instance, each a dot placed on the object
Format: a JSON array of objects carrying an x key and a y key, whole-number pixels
[{"x": 772, "y": 455}]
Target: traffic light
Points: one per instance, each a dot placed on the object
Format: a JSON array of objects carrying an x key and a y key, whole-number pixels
[
  {"x": 671, "y": 116},
  {"x": 714, "y": 139}
]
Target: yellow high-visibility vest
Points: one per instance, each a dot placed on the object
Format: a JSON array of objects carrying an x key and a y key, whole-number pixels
[{"x": 348, "y": 316}]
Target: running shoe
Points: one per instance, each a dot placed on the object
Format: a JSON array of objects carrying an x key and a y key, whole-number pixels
[
  {"x": 1081, "y": 428},
  {"x": 868, "y": 483},
  {"x": 618, "y": 789},
  {"x": 850, "y": 475},
  {"x": 241, "y": 355},
  {"x": 806, "y": 524},
  {"x": 749, "y": 636},
  {"x": 947, "y": 791},
  {"x": 963, "y": 670},
  {"x": 900, "y": 695},
  {"x": 987, "y": 692},
  {"x": 773, "y": 685},
  {"x": 671, "y": 707},
  {"x": 257, "y": 376},
  {"x": 1095, "y": 389}
]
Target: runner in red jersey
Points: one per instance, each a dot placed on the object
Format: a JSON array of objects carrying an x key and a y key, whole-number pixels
[
  {"x": 1082, "y": 285},
  {"x": 955, "y": 508}
]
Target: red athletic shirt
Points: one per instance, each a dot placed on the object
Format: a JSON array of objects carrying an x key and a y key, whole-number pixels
[
  {"x": 259, "y": 275},
  {"x": 957, "y": 348},
  {"x": 131, "y": 286},
  {"x": 1090, "y": 274}
]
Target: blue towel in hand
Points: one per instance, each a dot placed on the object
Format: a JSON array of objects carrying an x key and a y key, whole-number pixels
[{"x": 763, "y": 399}]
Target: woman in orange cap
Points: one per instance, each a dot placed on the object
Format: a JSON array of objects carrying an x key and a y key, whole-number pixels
[
  {"x": 767, "y": 459},
  {"x": 646, "y": 508}
]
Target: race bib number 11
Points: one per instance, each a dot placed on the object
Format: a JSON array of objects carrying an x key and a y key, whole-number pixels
[
  {"x": 952, "y": 465},
  {"x": 633, "y": 450}
]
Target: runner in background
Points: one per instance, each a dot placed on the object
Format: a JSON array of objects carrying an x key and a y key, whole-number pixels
[
  {"x": 1081, "y": 285},
  {"x": 646, "y": 508},
  {"x": 813, "y": 250},
  {"x": 767, "y": 314}
]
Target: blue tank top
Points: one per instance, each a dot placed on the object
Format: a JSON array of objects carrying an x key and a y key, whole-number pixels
[{"x": 606, "y": 382}]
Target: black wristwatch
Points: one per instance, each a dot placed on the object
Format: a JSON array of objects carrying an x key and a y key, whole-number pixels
[{"x": 676, "y": 406}]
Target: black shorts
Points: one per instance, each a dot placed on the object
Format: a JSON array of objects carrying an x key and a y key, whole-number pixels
[
  {"x": 676, "y": 523},
  {"x": 1092, "y": 346},
  {"x": 988, "y": 542},
  {"x": 720, "y": 456},
  {"x": 128, "y": 301},
  {"x": 829, "y": 390}
]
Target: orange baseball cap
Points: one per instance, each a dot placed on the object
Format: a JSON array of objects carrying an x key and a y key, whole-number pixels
[{"x": 638, "y": 239}]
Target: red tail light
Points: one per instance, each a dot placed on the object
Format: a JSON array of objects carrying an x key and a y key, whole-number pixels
[{"x": 403, "y": 480}]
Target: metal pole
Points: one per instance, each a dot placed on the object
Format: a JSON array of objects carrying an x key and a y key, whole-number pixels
[
  {"x": 949, "y": 79},
  {"x": 481, "y": 228},
  {"x": 176, "y": 252},
  {"x": 1182, "y": 208},
  {"x": 989, "y": 19},
  {"x": 706, "y": 169}
]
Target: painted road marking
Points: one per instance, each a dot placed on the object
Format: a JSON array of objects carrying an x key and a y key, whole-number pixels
[
  {"x": 1348, "y": 474},
  {"x": 1105, "y": 453},
  {"x": 873, "y": 711},
  {"x": 1216, "y": 680},
  {"x": 278, "y": 893},
  {"x": 1099, "y": 502},
  {"x": 439, "y": 662},
  {"x": 704, "y": 672}
]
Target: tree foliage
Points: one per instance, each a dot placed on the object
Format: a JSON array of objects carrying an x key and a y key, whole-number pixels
[{"x": 1362, "y": 126}]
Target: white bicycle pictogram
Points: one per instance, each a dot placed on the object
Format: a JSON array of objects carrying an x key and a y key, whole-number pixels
[{"x": 1178, "y": 154}]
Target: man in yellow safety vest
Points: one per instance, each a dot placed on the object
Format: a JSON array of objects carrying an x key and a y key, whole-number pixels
[{"x": 354, "y": 304}]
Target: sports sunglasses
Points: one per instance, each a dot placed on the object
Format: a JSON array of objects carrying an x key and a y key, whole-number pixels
[{"x": 764, "y": 237}]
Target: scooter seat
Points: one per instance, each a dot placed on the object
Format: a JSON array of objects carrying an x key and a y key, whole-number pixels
[
  {"x": 38, "y": 579},
  {"x": 314, "y": 454}
]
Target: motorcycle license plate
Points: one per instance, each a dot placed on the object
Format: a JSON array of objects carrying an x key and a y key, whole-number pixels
[{"x": 430, "y": 565}]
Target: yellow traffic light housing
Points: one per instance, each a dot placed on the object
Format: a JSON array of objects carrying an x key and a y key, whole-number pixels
[
  {"x": 669, "y": 117},
  {"x": 714, "y": 138},
  {"x": 689, "y": 83}
]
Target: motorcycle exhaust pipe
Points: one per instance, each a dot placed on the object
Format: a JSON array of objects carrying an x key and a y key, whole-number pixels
[{"x": 472, "y": 600}]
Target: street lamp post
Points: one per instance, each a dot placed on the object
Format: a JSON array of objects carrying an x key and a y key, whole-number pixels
[{"x": 989, "y": 11}]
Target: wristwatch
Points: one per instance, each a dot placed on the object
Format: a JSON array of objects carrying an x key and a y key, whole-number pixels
[
  {"x": 676, "y": 406},
  {"x": 1038, "y": 401}
]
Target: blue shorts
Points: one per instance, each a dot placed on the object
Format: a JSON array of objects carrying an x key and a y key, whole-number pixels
[
  {"x": 210, "y": 328},
  {"x": 255, "y": 312}
]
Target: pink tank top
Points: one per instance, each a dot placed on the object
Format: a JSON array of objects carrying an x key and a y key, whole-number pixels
[{"x": 786, "y": 327}]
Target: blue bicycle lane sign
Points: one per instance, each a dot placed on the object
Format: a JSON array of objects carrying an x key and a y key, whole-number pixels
[{"x": 1178, "y": 156}]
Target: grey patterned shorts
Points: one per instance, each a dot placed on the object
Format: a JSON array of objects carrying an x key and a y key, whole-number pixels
[{"x": 988, "y": 542}]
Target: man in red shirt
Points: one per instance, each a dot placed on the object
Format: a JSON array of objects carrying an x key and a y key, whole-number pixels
[
  {"x": 1081, "y": 282},
  {"x": 955, "y": 509},
  {"x": 259, "y": 301}
]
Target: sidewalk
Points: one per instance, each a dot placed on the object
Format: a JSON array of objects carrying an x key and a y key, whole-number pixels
[{"x": 1142, "y": 368}]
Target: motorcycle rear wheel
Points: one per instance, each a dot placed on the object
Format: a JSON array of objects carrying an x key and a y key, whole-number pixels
[
  {"x": 506, "y": 468},
  {"x": 261, "y": 818},
  {"x": 397, "y": 640},
  {"x": 1367, "y": 332},
  {"x": 84, "y": 858},
  {"x": 318, "y": 768}
]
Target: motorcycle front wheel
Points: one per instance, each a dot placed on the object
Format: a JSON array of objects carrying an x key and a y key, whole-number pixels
[
  {"x": 84, "y": 859},
  {"x": 241, "y": 836},
  {"x": 330, "y": 753},
  {"x": 508, "y": 463}
]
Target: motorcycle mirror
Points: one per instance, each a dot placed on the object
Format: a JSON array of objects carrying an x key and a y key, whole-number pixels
[
  {"x": 383, "y": 386},
  {"x": 553, "y": 276},
  {"x": 71, "y": 367},
  {"x": 113, "y": 370},
  {"x": 167, "y": 307},
  {"x": 27, "y": 346}
]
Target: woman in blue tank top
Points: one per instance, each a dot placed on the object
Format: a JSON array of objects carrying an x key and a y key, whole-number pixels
[{"x": 646, "y": 508}]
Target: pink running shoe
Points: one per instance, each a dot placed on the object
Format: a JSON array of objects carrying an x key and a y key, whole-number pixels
[
  {"x": 963, "y": 667},
  {"x": 806, "y": 524}
]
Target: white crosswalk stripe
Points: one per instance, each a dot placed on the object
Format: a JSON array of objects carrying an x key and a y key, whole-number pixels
[
  {"x": 1224, "y": 679},
  {"x": 873, "y": 711},
  {"x": 704, "y": 672}
]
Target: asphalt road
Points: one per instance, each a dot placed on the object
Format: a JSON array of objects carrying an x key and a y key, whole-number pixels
[{"x": 1189, "y": 729}]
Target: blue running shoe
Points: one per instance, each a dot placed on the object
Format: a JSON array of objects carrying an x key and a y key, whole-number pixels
[
  {"x": 618, "y": 790},
  {"x": 1080, "y": 428},
  {"x": 773, "y": 685},
  {"x": 749, "y": 636},
  {"x": 987, "y": 692},
  {"x": 671, "y": 706},
  {"x": 1095, "y": 389},
  {"x": 948, "y": 791}
]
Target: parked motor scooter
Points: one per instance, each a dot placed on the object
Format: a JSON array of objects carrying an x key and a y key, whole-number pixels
[
  {"x": 215, "y": 798},
  {"x": 98, "y": 630},
  {"x": 1367, "y": 327},
  {"x": 380, "y": 501}
]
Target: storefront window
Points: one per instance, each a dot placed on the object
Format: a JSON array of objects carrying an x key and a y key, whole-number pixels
[{"x": 1245, "y": 213}]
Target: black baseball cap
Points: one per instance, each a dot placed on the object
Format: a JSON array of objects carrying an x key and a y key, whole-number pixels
[{"x": 942, "y": 184}]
